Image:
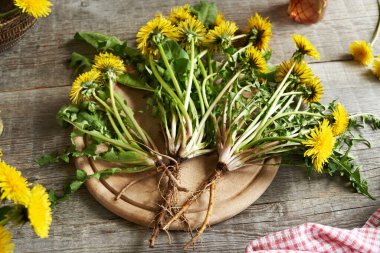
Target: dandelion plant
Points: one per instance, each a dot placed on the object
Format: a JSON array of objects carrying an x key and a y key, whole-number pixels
[
  {"x": 262, "y": 119},
  {"x": 180, "y": 52}
]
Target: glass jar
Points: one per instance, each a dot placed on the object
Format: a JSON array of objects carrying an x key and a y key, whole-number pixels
[{"x": 306, "y": 11}]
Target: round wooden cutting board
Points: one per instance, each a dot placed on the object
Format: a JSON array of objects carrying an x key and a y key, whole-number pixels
[{"x": 235, "y": 191}]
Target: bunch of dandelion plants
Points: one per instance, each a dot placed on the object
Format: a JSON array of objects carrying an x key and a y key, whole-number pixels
[
  {"x": 180, "y": 62},
  {"x": 101, "y": 115},
  {"x": 262, "y": 118}
]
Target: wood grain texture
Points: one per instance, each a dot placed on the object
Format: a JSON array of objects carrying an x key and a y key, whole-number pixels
[{"x": 33, "y": 86}]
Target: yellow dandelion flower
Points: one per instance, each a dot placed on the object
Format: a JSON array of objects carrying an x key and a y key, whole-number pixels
[
  {"x": 376, "y": 67},
  {"x": 105, "y": 62},
  {"x": 259, "y": 31},
  {"x": 191, "y": 29},
  {"x": 320, "y": 144},
  {"x": 154, "y": 32},
  {"x": 256, "y": 59},
  {"x": 5, "y": 241},
  {"x": 180, "y": 13},
  {"x": 219, "y": 18},
  {"x": 315, "y": 90},
  {"x": 13, "y": 186},
  {"x": 340, "y": 120},
  {"x": 304, "y": 46},
  {"x": 361, "y": 51},
  {"x": 301, "y": 72},
  {"x": 84, "y": 85},
  {"x": 39, "y": 211},
  {"x": 36, "y": 8},
  {"x": 221, "y": 35}
]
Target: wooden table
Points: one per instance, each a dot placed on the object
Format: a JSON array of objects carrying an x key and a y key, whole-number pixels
[{"x": 35, "y": 82}]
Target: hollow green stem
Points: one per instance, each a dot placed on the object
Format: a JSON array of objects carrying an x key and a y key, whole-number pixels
[
  {"x": 268, "y": 110},
  {"x": 287, "y": 105},
  {"x": 116, "y": 129},
  {"x": 279, "y": 88},
  {"x": 241, "y": 159},
  {"x": 239, "y": 37},
  {"x": 101, "y": 137},
  {"x": 174, "y": 121},
  {"x": 199, "y": 128},
  {"x": 128, "y": 112},
  {"x": 164, "y": 123},
  {"x": 170, "y": 70},
  {"x": 220, "y": 95},
  {"x": 233, "y": 56},
  {"x": 273, "y": 107},
  {"x": 269, "y": 122},
  {"x": 204, "y": 94},
  {"x": 242, "y": 49},
  {"x": 111, "y": 85},
  {"x": 102, "y": 102},
  {"x": 210, "y": 67},
  {"x": 172, "y": 95},
  {"x": 291, "y": 93},
  {"x": 277, "y": 138},
  {"x": 202, "y": 67},
  {"x": 238, "y": 94},
  {"x": 200, "y": 97},
  {"x": 297, "y": 108},
  {"x": 191, "y": 75}
]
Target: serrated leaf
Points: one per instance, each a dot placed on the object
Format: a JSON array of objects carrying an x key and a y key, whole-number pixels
[
  {"x": 180, "y": 66},
  {"x": 68, "y": 112},
  {"x": 47, "y": 159},
  {"x": 177, "y": 57},
  {"x": 173, "y": 50},
  {"x": 133, "y": 82},
  {"x": 128, "y": 157},
  {"x": 350, "y": 171},
  {"x": 99, "y": 41}
]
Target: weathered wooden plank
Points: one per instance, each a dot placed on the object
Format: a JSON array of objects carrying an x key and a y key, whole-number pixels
[
  {"x": 82, "y": 225},
  {"x": 39, "y": 60}
]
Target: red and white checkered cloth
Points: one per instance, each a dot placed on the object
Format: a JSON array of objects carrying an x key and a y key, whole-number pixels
[{"x": 311, "y": 237}]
